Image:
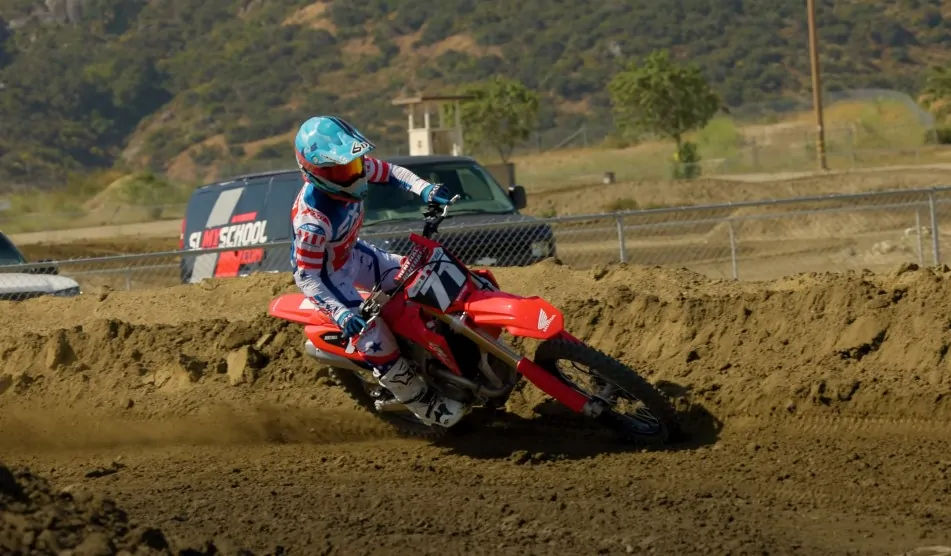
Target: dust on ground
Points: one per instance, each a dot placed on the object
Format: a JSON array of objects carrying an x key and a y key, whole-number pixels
[
  {"x": 37, "y": 518},
  {"x": 823, "y": 404}
]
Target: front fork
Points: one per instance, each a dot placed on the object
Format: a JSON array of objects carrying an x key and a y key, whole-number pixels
[{"x": 551, "y": 385}]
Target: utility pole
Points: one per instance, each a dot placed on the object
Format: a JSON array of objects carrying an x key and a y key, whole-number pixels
[{"x": 816, "y": 85}]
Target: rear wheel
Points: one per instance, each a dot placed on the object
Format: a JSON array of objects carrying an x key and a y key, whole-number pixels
[
  {"x": 632, "y": 406},
  {"x": 361, "y": 388}
]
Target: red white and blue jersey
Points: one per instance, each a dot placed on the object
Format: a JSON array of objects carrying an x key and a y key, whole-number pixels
[{"x": 326, "y": 230}]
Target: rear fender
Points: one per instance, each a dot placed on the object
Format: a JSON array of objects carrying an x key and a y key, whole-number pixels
[
  {"x": 328, "y": 340},
  {"x": 530, "y": 317},
  {"x": 325, "y": 342},
  {"x": 296, "y": 307}
]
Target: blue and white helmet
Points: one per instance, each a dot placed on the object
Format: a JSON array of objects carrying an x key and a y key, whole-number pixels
[{"x": 330, "y": 154}]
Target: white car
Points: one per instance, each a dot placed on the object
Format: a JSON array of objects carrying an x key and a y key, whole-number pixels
[{"x": 19, "y": 285}]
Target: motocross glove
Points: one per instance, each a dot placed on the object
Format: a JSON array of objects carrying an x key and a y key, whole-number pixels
[
  {"x": 350, "y": 324},
  {"x": 435, "y": 193}
]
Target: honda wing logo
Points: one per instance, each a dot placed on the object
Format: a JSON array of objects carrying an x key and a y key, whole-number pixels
[{"x": 544, "y": 321}]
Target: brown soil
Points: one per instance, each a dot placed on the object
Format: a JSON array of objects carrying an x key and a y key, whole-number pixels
[
  {"x": 818, "y": 422},
  {"x": 98, "y": 248},
  {"x": 37, "y": 519}
]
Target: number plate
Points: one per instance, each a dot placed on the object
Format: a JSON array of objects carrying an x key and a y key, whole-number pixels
[{"x": 440, "y": 281}]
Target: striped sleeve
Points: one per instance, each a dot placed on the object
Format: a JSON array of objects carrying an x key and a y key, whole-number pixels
[
  {"x": 379, "y": 171},
  {"x": 310, "y": 246},
  {"x": 310, "y": 256}
]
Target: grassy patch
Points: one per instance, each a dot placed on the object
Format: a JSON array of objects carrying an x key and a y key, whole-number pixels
[
  {"x": 857, "y": 135},
  {"x": 98, "y": 199}
]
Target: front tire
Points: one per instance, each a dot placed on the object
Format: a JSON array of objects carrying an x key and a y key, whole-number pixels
[
  {"x": 655, "y": 426},
  {"x": 404, "y": 422}
]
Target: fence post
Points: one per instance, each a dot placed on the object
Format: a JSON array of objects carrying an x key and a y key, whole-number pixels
[
  {"x": 736, "y": 273},
  {"x": 921, "y": 247},
  {"x": 619, "y": 222},
  {"x": 935, "y": 247},
  {"x": 128, "y": 279}
]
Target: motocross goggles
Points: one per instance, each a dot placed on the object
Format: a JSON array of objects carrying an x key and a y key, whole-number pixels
[{"x": 340, "y": 174}]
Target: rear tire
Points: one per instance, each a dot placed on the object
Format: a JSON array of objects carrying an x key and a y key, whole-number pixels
[
  {"x": 355, "y": 387},
  {"x": 614, "y": 372}
]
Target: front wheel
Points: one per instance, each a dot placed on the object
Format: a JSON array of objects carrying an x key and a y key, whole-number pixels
[{"x": 633, "y": 407}]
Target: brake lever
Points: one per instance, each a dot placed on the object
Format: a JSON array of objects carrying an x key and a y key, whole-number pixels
[
  {"x": 433, "y": 216},
  {"x": 445, "y": 208}
]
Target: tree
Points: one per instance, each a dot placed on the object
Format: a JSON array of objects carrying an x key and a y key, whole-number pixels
[
  {"x": 662, "y": 97},
  {"x": 936, "y": 96},
  {"x": 667, "y": 99},
  {"x": 501, "y": 113},
  {"x": 4, "y": 37}
]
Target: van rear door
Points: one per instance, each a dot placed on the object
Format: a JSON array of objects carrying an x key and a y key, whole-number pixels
[
  {"x": 282, "y": 193},
  {"x": 229, "y": 215}
]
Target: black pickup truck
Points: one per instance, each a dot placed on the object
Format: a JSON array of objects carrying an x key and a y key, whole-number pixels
[{"x": 484, "y": 226}]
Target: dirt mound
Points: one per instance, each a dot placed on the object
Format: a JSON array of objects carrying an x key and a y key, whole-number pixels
[
  {"x": 853, "y": 344},
  {"x": 241, "y": 299},
  {"x": 204, "y": 382},
  {"x": 199, "y": 364},
  {"x": 36, "y": 519}
]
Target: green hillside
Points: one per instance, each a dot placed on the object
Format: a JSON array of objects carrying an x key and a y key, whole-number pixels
[{"x": 93, "y": 83}]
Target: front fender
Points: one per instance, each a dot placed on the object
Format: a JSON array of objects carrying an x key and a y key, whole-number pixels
[{"x": 530, "y": 317}]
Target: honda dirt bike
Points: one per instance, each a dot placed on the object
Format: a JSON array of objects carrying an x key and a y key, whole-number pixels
[{"x": 448, "y": 322}]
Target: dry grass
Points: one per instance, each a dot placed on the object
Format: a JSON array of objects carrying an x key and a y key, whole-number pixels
[
  {"x": 653, "y": 193},
  {"x": 858, "y": 135},
  {"x": 314, "y": 16}
]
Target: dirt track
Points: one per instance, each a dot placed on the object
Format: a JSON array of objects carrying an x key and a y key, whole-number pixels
[{"x": 819, "y": 422}]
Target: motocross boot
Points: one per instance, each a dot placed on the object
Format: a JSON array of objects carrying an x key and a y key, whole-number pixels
[{"x": 428, "y": 406}]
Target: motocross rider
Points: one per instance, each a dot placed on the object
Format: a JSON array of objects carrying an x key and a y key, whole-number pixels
[{"x": 329, "y": 260}]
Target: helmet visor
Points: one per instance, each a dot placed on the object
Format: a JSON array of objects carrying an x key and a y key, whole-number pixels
[{"x": 340, "y": 174}]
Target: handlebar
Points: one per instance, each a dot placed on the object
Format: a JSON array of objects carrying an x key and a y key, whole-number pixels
[{"x": 434, "y": 215}]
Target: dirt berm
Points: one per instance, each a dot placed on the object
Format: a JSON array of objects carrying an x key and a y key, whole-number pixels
[
  {"x": 35, "y": 518},
  {"x": 864, "y": 345}
]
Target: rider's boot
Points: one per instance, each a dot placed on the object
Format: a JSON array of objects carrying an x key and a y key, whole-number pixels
[{"x": 410, "y": 389}]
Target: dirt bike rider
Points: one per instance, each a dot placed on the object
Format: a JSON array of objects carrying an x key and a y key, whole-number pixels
[{"x": 330, "y": 262}]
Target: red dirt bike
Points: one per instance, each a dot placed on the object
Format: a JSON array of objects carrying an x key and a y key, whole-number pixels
[{"x": 448, "y": 321}]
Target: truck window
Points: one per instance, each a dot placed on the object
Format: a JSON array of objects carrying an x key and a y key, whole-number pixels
[
  {"x": 479, "y": 191},
  {"x": 9, "y": 254}
]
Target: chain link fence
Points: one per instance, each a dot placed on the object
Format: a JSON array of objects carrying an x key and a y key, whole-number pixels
[{"x": 746, "y": 241}]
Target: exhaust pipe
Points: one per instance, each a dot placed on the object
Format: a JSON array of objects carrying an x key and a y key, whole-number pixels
[
  {"x": 462, "y": 382},
  {"x": 330, "y": 359}
]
